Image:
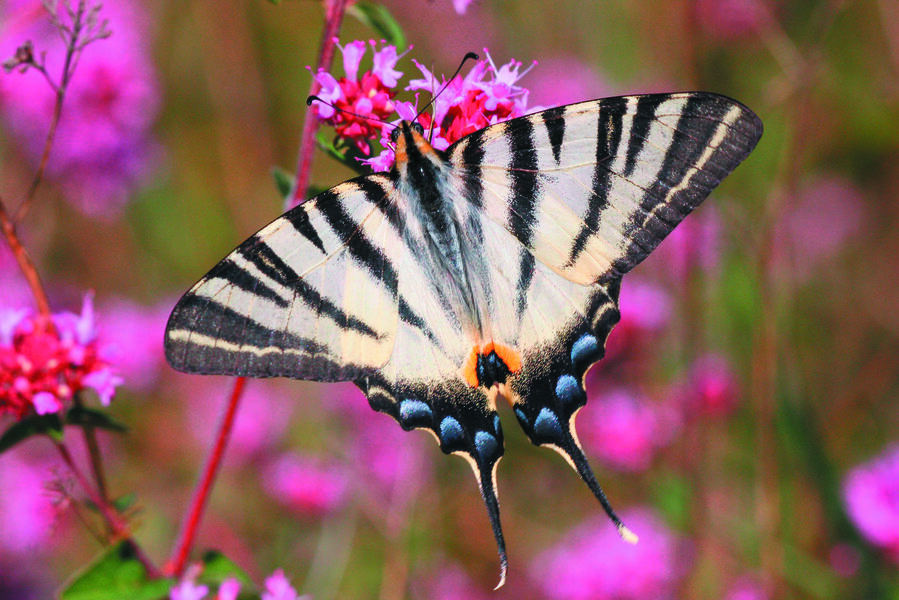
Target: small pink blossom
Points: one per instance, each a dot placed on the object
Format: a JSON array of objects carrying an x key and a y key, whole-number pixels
[
  {"x": 308, "y": 486},
  {"x": 132, "y": 333},
  {"x": 277, "y": 587},
  {"x": 43, "y": 365},
  {"x": 871, "y": 494},
  {"x": 625, "y": 430},
  {"x": 592, "y": 562},
  {"x": 711, "y": 389},
  {"x": 188, "y": 590},
  {"x": 228, "y": 590}
]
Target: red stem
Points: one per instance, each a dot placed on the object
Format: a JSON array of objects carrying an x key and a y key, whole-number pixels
[
  {"x": 191, "y": 523},
  {"x": 116, "y": 526},
  {"x": 334, "y": 18},
  {"x": 25, "y": 264}
]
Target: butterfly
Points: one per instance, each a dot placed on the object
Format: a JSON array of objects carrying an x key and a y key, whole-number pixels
[{"x": 489, "y": 270}]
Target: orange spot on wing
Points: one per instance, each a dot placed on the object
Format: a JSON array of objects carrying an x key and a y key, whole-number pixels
[
  {"x": 470, "y": 368},
  {"x": 508, "y": 356}
]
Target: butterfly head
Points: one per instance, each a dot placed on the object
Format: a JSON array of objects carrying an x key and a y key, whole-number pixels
[{"x": 411, "y": 145}]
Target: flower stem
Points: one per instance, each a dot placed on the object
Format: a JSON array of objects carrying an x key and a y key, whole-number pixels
[
  {"x": 25, "y": 264},
  {"x": 118, "y": 528},
  {"x": 335, "y": 10},
  {"x": 191, "y": 523}
]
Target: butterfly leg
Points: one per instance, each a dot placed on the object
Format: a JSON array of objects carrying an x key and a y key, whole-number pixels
[{"x": 464, "y": 423}]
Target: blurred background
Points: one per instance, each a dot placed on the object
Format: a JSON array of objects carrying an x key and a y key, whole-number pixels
[{"x": 745, "y": 423}]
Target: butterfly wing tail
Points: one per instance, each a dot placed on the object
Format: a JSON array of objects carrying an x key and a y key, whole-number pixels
[{"x": 463, "y": 422}]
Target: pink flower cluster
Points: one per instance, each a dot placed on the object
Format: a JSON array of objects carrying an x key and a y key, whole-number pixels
[
  {"x": 277, "y": 587},
  {"x": 44, "y": 364},
  {"x": 871, "y": 494},
  {"x": 487, "y": 94},
  {"x": 593, "y": 563}
]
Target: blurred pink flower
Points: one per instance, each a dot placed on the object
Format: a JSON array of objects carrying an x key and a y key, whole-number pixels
[
  {"x": 871, "y": 494},
  {"x": 27, "y": 513},
  {"x": 188, "y": 590},
  {"x": 593, "y": 563},
  {"x": 133, "y": 333},
  {"x": 711, "y": 388},
  {"x": 731, "y": 19},
  {"x": 308, "y": 486},
  {"x": 43, "y": 367},
  {"x": 624, "y": 430},
  {"x": 746, "y": 588},
  {"x": 261, "y": 421},
  {"x": 461, "y": 5},
  {"x": 565, "y": 80},
  {"x": 827, "y": 213},
  {"x": 277, "y": 587},
  {"x": 104, "y": 146},
  {"x": 450, "y": 582},
  {"x": 228, "y": 590},
  {"x": 390, "y": 462},
  {"x": 694, "y": 244}
]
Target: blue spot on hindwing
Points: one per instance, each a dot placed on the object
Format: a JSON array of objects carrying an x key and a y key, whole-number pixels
[
  {"x": 451, "y": 431},
  {"x": 522, "y": 418},
  {"x": 584, "y": 351},
  {"x": 486, "y": 445},
  {"x": 547, "y": 425},
  {"x": 496, "y": 424},
  {"x": 569, "y": 392},
  {"x": 415, "y": 412}
]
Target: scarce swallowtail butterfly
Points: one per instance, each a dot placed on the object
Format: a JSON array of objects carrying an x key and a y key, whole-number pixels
[{"x": 489, "y": 270}]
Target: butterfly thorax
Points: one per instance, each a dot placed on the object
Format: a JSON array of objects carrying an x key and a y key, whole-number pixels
[{"x": 451, "y": 258}]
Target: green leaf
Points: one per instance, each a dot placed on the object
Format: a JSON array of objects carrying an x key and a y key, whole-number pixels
[
  {"x": 124, "y": 502},
  {"x": 116, "y": 575},
  {"x": 80, "y": 416},
  {"x": 31, "y": 426},
  {"x": 379, "y": 18},
  {"x": 217, "y": 568},
  {"x": 346, "y": 158},
  {"x": 284, "y": 181}
]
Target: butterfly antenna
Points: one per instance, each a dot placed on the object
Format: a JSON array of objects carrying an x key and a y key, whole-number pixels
[
  {"x": 466, "y": 58},
  {"x": 315, "y": 98}
]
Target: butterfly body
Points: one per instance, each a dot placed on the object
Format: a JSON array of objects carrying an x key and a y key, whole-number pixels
[{"x": 489, "y": 270}]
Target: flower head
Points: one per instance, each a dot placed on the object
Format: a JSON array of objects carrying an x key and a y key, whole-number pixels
[
  {"x": 277, "y": 587},
  {"x": 593, "y": 563},
  {"x": 871, "y": 494},
  {"x": 43, "y": 365},
  {"x": 711, "y": 388},
  {"x": 361, "y": 104},
  {"x": 104, "y": 146},
  {"x": 624, "y": 430},
  {"x": 306, "y": 485}
]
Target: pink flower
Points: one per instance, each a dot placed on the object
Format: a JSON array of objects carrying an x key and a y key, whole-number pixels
[
  {"x": 624, "y": 430},
  {"x": 711, "y": 389},
  {"x": 188, "y": 590},
  {"x": 26, "y": 511},
  {"x": 43, "y": 365},
  {"x": 277, "y": 587},
  {"x": 308, "y": 486},
  {"x": 461, "y": 5},
  {"x": 826, "y": 215},
  {"x": 229, "y": 589},
  {"x": 871, "y": 494},
  {"x": 731, "y": 19},
  {"x": 132, "y": 333},
  {"x": 564, "y": 80},
  {"x": 261, "y": 422},
  {"x": 363, "y": 104},
  {"x": 593, "y": 563},
  {"x": 104, "y": 146}
]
